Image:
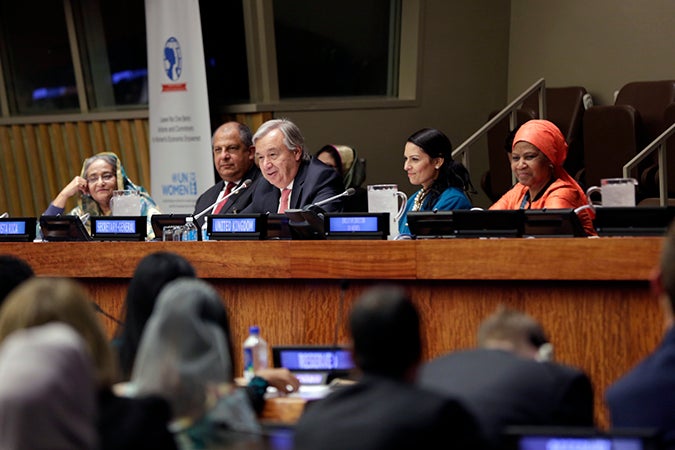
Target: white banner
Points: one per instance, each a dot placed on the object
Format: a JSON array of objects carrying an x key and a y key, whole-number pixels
[{"x": 181, "y": 167}]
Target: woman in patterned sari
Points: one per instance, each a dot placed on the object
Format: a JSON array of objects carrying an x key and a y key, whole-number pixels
[{"x": 101, "y": 175}]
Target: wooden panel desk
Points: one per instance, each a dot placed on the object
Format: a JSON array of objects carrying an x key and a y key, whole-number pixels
[{"x": 592, "y": 295}]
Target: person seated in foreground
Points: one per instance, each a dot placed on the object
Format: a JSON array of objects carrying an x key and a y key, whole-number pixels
[
  {"x": 384, "y": 409},
  {"x": 185, "y": 356},
  {"x": 101, "y": 175},
  {"x": 445, "y": 183},
  {"x": 293, "y": 179},
  {"x": 121, "y": 422},
  {"x": 47, "y": 390},
  {"x": 13, "y": 272},
  {"x": 509, "y": 380},
  {"x": 645, "y": 396},
  {"x": 152, "y": 274},
  {"x": 537, "y": 156}
]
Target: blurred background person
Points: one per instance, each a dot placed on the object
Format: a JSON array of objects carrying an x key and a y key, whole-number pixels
[
  {"x": 233, "y": 158},
  {"x": 537, "y": 156},
  {"x": 384, "y": 409},
  {"x": 294, "y": 179},
  {"x": 13, "y": 272},
  {"x": 121, "y": 422},
  {"x": 352, "y": 169},
  {"x": 645, "y": 396},
  {"x": 185, "y": 355},
  {"x": 47, "y": 391},
  {"x": 329, "y": 155},
  {"x": 101, "y": 175},
  {"x": 509, "y": 380},
  {"x": 445, "y": 183}
]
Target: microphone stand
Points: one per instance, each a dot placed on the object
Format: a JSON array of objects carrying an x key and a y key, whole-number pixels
[
  {"x": 316, "y": 206},
  {"x": 236, "y": 190}
]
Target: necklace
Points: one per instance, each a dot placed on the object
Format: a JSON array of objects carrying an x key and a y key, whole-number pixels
[{"x": 419, "y": 198}]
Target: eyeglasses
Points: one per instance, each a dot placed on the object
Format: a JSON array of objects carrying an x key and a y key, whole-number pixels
[{"x": 106, "y": 176}]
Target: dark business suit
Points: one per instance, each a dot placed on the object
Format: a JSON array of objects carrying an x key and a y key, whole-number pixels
[
  {"x": 645, "y": 396},
  {"x": 503, "y": 389},
  {"x": 383, "y": 414},
  {"x": 314, "y": 182},
  {"x": 235, "y": 203}
]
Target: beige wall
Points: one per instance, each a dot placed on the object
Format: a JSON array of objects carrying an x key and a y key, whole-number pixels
[
  {"x": 598, "y": 44},
  {"x": 463, "y": 77}
]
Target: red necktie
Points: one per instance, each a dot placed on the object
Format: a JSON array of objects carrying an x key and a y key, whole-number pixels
[
  {"x": 283, "y": 201},
  {"x": 220, "y": 205}
]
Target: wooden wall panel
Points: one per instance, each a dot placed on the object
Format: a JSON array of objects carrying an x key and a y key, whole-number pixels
[
  {"x": 9, "y": 200},
  {"x": 21, "y": 168}
]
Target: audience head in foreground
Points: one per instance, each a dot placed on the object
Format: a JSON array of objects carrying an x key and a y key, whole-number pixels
[
  {"x": 121, "y": 422},
  {"x": 517, "y": 332},
  {"x": 293, "y": 179},
  {"x": 537, "y": 156},
  {"x": 44, "y": 300},
  {"x": 185, "y": 355},
  {"x": 384, "y": 409},
  {"x": 445, "y": 183},
  {"x": 645, "y": 396},
  {"x": 152, "y": 273},
  {"x": 47, "y": 390},
  {"x": 13, "y": 272},
  {"x": 508, "y": 381}
]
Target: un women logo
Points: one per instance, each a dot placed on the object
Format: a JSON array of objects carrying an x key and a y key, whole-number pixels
[{"x": 173, "y": 62}]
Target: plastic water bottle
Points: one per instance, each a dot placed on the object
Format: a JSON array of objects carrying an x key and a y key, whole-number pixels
[
  {"x": 189, "y": 230},
  {"x": 255, "y": 353},
  {"x": 205, "y": 235},
  {"x": 38, "y": 233}
]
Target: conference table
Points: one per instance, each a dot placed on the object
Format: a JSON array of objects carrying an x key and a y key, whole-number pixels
[{"x": 592, "y": 295}]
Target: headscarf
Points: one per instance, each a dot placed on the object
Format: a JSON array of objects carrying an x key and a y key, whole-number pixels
[
  {"x": 185, "y": 355},
  {"x": 550, "y": 141},
  {"x": 86, "y": 204},
  {"x": 47, "y": 392}
]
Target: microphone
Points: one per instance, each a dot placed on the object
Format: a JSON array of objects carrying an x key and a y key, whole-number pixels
[
  {"x": 236, "y": 190},
  {"x": 99, "y": 310},
  {"x": 347, "y": 193}
]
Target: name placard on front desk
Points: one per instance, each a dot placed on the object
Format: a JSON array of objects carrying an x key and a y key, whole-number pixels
[
  {"x": 118, "y": 228},
  {"x": 17, "y": 229},
  {"x": 236, "y": 226},
  {"x": 356, "y": 225}
]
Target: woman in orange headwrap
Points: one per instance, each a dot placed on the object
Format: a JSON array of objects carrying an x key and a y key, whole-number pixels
[{"x": 537, "y": 156}]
